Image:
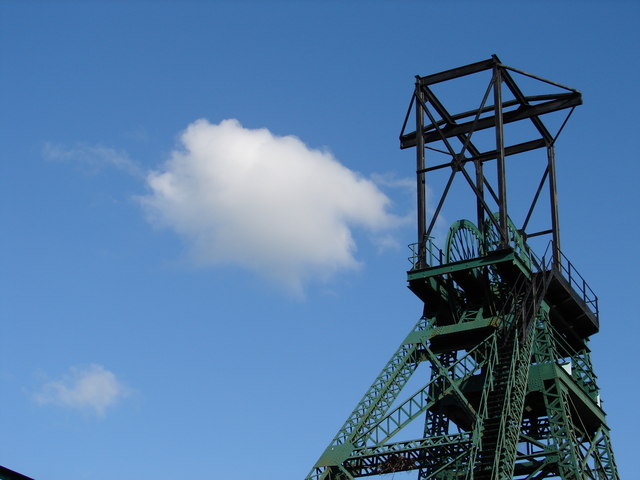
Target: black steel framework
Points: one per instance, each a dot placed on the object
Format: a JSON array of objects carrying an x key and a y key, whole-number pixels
[
  {"x": 8, "y": 474},
  {"x": 512, "y": 393},
  {"x": 442, "y": 126}
]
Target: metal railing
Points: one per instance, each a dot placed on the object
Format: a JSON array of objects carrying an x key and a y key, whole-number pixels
[
  {"x": 433, "y": 255},
  {"x": 427, "y": 254},
  {"x": 569, "y": 272},
  {"x": 578, "y": 283}
]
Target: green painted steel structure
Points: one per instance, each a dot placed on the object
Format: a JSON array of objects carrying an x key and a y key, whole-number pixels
[{"x": 511, "y": 391}]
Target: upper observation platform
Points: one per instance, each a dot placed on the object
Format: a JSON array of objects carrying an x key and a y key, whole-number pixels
[{"x": 475, "y": 266}]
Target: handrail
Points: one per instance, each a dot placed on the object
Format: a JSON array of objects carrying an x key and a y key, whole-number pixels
[
  {"x": 426, "y": 254},
  {"x": 569, "y": 272},
  {"x": 434, "y": 256},
  {"x": 580, "y": 285},
  {"x": 581, "y": 373}
]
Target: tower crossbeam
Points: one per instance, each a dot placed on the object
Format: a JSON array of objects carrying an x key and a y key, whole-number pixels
[{"x": 511, "y": 391}]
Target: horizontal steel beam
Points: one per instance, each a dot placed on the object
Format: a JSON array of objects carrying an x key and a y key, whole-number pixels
[
  {"x": 434, "y": 452},
  {"x": 511, "y": 150},
  {"x": 492, "y": 155},
  {"x": 457, "y": 72},
  {"x": 489, "y": 108},
  {"x": 561, "y": 102}
]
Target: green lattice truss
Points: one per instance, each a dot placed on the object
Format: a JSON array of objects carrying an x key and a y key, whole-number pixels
[{"x": 511, "y": 393}]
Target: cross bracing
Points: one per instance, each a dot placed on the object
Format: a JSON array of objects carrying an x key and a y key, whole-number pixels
[{"x": 511, "y": 391}]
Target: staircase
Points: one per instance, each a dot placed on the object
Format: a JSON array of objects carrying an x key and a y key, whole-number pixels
[
  {"x": 495, "y": 408},
  {"x": 501, "y": 426}
]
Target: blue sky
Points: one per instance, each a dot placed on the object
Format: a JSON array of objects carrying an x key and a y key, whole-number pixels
[{"x": 158, "y": 330}]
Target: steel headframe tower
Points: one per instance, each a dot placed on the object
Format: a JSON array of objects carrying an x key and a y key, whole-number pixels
[{"x": 511, "y": 391}]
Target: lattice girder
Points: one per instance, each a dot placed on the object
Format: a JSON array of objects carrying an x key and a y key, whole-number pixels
[{"x": 512, "y": 393}]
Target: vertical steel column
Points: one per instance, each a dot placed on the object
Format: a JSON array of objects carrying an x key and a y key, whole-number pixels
[
  {"x": 422, "y": 204},
  {"x": 480, "y": 196},
  {"x": 502, "y": 183},
  {"x": 553, "y": 193}
]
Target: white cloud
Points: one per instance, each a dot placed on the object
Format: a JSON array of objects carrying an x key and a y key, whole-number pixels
[
  {"x": 93, "y": 158},
  {"x": 267, "y": 203},
  {"x": 92, "y": 388},
  {"x": 391, "y": 180}
]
